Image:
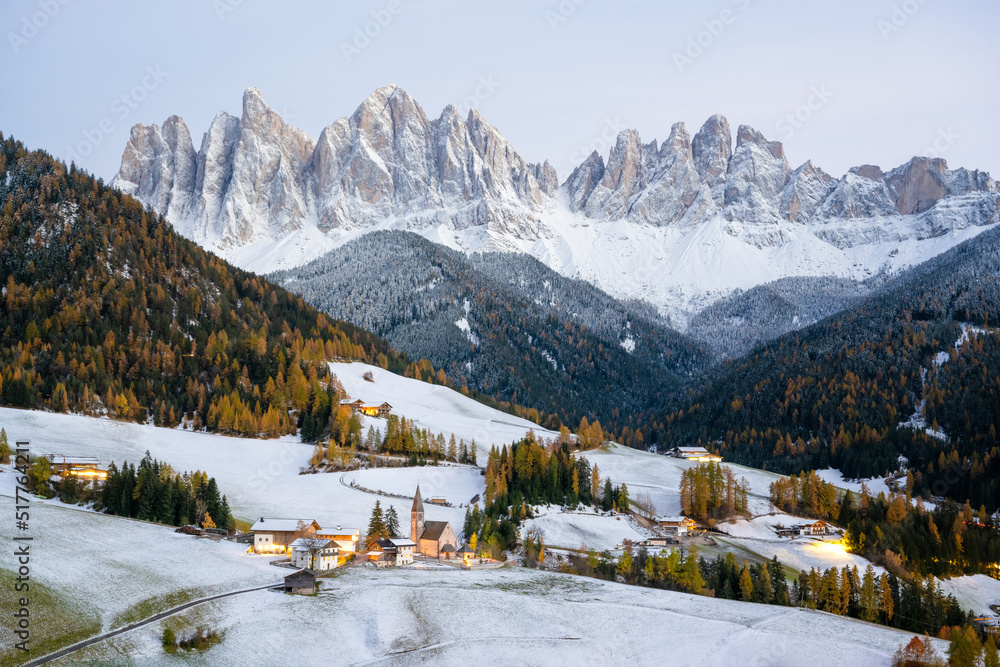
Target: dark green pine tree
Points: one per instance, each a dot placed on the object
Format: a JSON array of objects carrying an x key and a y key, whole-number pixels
[
  {"x": 392, "y": 522},
  {"x": 609, "y": 496},
  {"x": 376, "y": 525}
]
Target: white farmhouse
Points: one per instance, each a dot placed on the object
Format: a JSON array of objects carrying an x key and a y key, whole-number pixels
[{"x": 316, "y": 554}]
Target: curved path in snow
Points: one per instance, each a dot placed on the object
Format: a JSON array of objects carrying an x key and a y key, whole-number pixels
[{"x": 138, "y": 624}]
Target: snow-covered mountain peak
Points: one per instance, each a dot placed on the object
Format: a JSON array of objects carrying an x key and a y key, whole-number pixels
[
  {"x": 711, "y": 149},
  {"x": 679, "y": 223},
  {"x": 261, "y": 186}
]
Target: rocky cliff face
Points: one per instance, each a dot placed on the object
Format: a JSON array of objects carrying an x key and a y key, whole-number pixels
[
  {"x": 256, "y": 177},
  {"x": 641, "y": 183},
  {"x": 159, "y": 166},
  {"x": 679, "y": 223},
  {"x": 756, "y": 191}
]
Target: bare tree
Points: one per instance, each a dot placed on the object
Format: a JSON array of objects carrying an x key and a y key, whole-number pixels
[{"x": 643, "y": 505}]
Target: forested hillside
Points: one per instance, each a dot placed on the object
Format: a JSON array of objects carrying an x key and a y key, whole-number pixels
[
  {"x": 737, "y": 324},
  {"x": 107, "y": 310},
  {"x": 849, "y": 391},
  {"x": 506, "y": 325}
]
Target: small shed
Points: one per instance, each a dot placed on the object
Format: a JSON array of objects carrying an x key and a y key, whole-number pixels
[{"x": 302, "y": 582}]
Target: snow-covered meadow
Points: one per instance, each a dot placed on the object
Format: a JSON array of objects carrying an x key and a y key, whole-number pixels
[
  {"x": 520, "y": 616},
  {"x": 573, "y": 529}
]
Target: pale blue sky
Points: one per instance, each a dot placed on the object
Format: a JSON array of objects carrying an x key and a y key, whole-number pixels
[{"x": 887, "y": 79}]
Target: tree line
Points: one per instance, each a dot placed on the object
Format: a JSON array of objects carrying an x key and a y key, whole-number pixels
[
  {"x": 153, "y": 491},
  {"x": 529, "y": 473},
  {"x": 898, "y": 530},
  {"x": 712, "y": 492}
]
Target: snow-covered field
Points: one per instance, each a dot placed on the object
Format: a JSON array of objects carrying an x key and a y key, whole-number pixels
[
  {"x": 517, "y": 616},
  {"x": 800, "y": 553},
  {"x": 92, "y": 573},
  {"x": 261, "y": 478},
  {"x": 761, "y": 527},
  {"x": 456, "y": 484},
  {"x": 976, "y": 592},
  {"x": 875, "y": 486},
  {"x": 434, "y": 407},
  {"x": 571, "y": 529}
]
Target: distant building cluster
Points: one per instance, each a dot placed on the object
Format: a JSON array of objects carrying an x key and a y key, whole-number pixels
[
  {"x": 82, "y": 467},
  {"x": 381, "y": 411},
  {"x": 305, "y": 542},
  {"x": 428, "y": 539},
  {"x": 694, "y": 454},
  {"x": 807, "y": 529}
]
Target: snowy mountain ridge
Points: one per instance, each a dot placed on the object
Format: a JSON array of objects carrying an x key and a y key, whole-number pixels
[{"x": 680, "y": 224}]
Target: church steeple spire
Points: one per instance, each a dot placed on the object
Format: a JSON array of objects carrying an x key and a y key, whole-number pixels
[
  {"x": 418, "y": 503},
  {"x": 417, "y": 517}
]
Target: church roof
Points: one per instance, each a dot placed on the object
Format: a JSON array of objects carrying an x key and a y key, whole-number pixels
[
  {"x": 433, "y": 530},
  {"x": 418, "y": 503}
]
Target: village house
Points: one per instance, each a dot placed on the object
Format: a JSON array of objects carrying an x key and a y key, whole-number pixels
[
  {"x": 809, "y": 529},
  {"x": 814, "y": 528},
  {"x": 404, "y": 550},
  {"x": 694, "y": 454},
  {"x": 346, "y": 539},
  {"x": 391, "y": 552},
  {"x": 381, "y": 553},
  {"x": 302, "y": 582},
  {"x": 677, "y": 526},
  {"x": 273, "y": 536},
  {"x": 315, "y": 554},
  {"x": 656, "y": 542},
  {"x": 431, "y": 537},
  {"x": 82, "y": 467},
  {"x": 360, "y": 407}
]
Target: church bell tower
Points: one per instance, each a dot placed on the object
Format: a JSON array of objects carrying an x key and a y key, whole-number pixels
[{"x": 417, "y": 517}]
